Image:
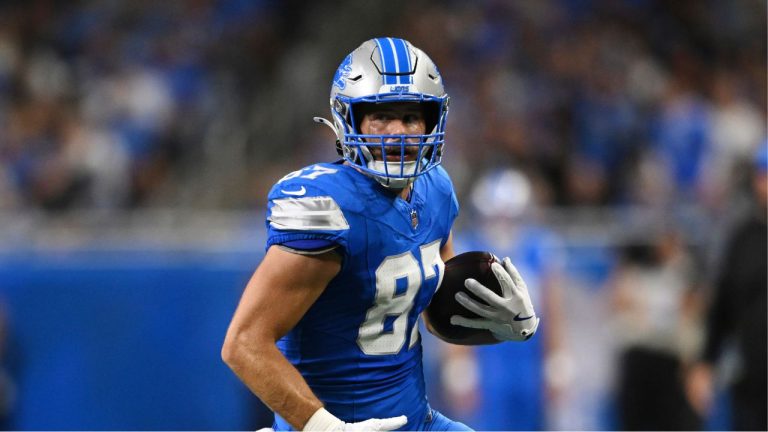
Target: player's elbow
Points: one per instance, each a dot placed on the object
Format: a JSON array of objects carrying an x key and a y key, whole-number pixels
[
  {"x": 233, "y": 350},
  {"x": 228, "y": 351},
  {"x": 241, "y": 348}
]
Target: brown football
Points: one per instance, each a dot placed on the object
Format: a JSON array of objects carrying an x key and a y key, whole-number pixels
[{"x": 475, "y": 265}]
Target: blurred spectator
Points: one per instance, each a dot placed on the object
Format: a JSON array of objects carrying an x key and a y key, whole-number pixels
[
  {"x": 737, "y": 315},
  {"x": 736, "y": 126},
  {"x": 115, "y": 105},
  {"x": 655, "y": 313},
  {"x": 671, "y": 170},
  {"x": 110, "y": 105}
]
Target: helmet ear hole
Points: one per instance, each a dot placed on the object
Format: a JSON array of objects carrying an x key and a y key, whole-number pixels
[{"x": 340, "y": 108}]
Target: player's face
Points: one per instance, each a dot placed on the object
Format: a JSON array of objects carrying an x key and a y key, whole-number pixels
[{"x": 400, "y": 118}]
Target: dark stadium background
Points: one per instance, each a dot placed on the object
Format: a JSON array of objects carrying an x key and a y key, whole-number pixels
[{"x": 138, "y": 140}]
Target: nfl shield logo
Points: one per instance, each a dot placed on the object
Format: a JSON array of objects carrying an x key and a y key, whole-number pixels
[{"x": 414, "y": 219}]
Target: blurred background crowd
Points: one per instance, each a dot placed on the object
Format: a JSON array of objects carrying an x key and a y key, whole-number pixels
[
  {"x": 610, "y": 146},
  {"x": 131, "y": 104}
]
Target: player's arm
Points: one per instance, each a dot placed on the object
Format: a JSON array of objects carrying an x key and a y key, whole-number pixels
[{"x": 279, "y": 293}]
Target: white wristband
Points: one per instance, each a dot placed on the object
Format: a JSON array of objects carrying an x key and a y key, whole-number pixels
[{"x": 322, "y": 420}]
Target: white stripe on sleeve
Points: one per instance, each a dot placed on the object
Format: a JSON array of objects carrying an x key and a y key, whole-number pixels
[{"x": 307, "y": 213}]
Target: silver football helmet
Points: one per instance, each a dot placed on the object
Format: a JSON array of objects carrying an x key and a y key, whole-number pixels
[{"x": 386, "y": 70}]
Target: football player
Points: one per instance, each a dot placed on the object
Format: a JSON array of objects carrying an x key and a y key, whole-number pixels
[{"x": 326, "y": 332}]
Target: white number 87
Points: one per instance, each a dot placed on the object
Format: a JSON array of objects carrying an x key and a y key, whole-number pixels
[{"x": 372, "y": 339}]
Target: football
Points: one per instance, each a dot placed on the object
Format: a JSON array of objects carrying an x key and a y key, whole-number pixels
[{"x": 475, "y": 265}]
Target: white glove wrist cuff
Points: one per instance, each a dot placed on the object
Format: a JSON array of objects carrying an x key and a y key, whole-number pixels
[{"x": 322, "y": 420}]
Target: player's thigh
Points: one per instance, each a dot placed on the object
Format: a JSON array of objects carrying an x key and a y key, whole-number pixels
[{"x": 439, "y": 422}]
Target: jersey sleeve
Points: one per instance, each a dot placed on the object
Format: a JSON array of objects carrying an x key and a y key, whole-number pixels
[{"x": 302, "y": 210}]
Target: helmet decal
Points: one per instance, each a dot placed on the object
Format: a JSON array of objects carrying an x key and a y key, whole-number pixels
[{"x": 345, "y": 68}]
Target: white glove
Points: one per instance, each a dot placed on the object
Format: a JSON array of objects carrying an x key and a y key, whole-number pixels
[
  {"x": 510, "y": 317},
  {"x": 322, "y": 420}
]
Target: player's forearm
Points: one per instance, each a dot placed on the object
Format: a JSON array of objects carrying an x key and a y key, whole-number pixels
[{"x": 270, "y": 376}]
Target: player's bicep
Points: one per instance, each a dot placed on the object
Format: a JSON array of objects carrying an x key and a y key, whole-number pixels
[{"x": 280, "y": 292}]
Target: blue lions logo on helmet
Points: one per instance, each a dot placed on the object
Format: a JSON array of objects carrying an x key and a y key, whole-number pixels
[{"x": 345, "y": 68}]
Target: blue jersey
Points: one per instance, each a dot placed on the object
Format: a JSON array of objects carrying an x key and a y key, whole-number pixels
[{"x": 358, "y": 346}]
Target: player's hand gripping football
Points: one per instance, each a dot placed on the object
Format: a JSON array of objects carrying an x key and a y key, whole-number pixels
[
  {"x": 322, "y": 420},
  {"x": 508, "y": 317}
]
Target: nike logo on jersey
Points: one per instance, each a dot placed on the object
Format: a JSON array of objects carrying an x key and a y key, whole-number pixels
[
  {"x": 517, "y": 318},
  {"x": 299, "y": 192}
]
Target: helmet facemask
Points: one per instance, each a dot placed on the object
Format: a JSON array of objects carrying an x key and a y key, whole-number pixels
[{"x": 393, "y": 160}]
